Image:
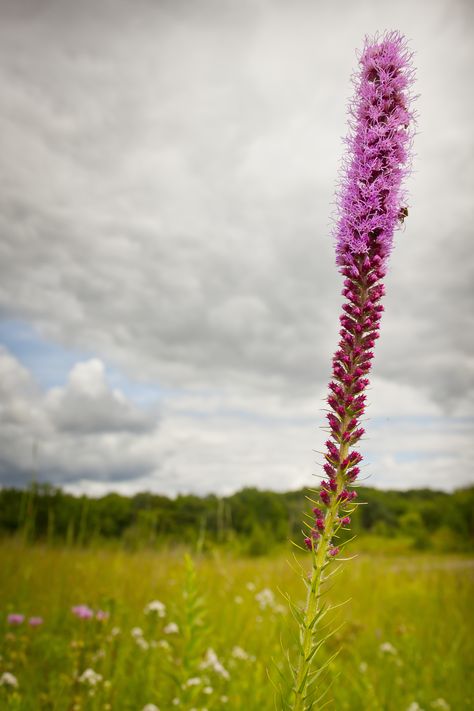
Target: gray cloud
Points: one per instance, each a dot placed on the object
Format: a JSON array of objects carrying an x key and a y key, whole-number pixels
[
  {"x": 168, "y": 172},
  {"x": 88, "y": 406}
]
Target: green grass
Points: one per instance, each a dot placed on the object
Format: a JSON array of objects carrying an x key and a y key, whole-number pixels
[{"x": 408, "y": 635}]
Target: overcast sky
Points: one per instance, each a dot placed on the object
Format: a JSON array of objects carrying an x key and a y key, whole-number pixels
[{"x": 169, "y": 299}]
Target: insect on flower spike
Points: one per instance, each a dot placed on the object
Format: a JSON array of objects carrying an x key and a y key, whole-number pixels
[{"x": 371, "y": 204}]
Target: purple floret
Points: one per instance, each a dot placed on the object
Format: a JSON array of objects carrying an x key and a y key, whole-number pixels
[{"x": 370, "y": 192}]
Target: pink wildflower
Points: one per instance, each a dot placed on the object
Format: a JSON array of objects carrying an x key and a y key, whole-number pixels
[
  {"x": 15, "y": 619},
  {"x": 35, "y": 621},
  {"x": 83, "y": 612}
]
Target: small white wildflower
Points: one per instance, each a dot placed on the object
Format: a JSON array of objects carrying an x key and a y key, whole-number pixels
[
  {"x": 224, "y": 699},
  {"x": 280, "y": 609},
  {"x": 414, "y": 706},
  {"x": 208, "y": 690},
  {"x": 100, "y": 654},
  {"x": 155, "y": 606},
  {"x": 171, "y": 628},
  {"x": 142, "y": 643},
  {"x": 164, "y": 644},
  {"x": 265, "y": 598},
  {"x": 211, "y": 661},
  {"x": 238, "y": 600},
  {"x": 136, "y": 632},
  {"x": 176, "y": 701},
  {"x": 89, "y": 676},
  {"x": 388, "y": 648},
  {"x": 363, "y": 666},
  {"x": 193, "y": 681},
  {"x": 250, "y": 586},
  {"x": 239, "y": 653},
  {"x": 115, "y": 631},
  {"x": 150, "y": 707},
  {"x": 8, "y": 679},
  {"x": 440, "y": 704}
]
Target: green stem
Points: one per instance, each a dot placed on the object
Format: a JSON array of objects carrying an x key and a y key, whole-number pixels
[{"x": 308, "y": 628}]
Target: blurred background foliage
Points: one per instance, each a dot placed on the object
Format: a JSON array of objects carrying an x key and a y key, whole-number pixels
[{"x": 250, "y": 521}]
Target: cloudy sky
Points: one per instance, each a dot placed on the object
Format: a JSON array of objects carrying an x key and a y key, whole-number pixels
[{"x": 168, "y": 295}]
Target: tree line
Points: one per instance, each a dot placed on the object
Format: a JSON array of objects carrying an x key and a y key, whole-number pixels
[{"x": 251, "y": 520}]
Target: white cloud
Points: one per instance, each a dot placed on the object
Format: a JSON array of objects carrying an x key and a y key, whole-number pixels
[{"x": 88, "y": 406}]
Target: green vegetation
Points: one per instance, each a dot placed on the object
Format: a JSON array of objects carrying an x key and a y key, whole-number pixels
[
  {"x": 251, "y": 521},
  {"x": 214, "y": 639},
  {"x": 408, "y": 641}
]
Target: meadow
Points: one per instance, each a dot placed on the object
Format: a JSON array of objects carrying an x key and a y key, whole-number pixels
[{"x": 151, "y": 629}]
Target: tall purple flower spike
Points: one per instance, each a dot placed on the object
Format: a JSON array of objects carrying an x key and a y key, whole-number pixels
[{"x": 370, "y": 206}]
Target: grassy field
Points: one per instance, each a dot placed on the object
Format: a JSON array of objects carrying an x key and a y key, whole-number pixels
[{"x": 408, "y": 641}]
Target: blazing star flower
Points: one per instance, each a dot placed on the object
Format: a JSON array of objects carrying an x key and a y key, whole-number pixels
[
  {"x": 371, "y": 204},
  {"x": 15, "y": 619}
]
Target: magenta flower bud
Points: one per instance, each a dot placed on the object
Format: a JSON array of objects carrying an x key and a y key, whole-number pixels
[
  {"x": 358, "y": 402},
  {"x": 320, "y": 523},
  {"x": 333, "y": 551},
  {"x": 308, "y": 543},
  {"x": 333, "y": 450},
  {"x": 352, "y": 474},
  {"x": 317, "y": 512},
  {"x": 355, "y": 458},
  {"x": 345, "y": 521},
  {"x": 356, "y": 435},
  {"x": 337, "y": 390},
  {"x": 324, "y": 496},
  {"x": 332, "y": 402},
  {"x": 330, "y": 471}
]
